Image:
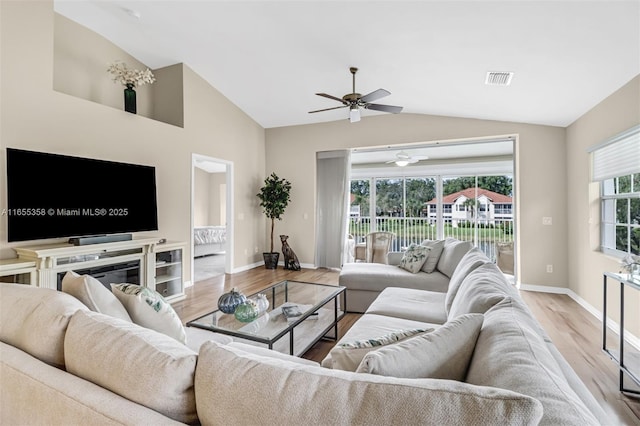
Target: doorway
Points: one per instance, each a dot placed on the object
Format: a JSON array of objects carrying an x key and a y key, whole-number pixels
[{"x": 211, "y": 217}]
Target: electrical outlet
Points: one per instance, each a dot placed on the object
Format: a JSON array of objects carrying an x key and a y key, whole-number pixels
[
  {"x": 547, "y": 220},
  {"x": 549, "y": 269}
]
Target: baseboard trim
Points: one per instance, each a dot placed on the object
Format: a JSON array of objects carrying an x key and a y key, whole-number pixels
[
  {"x": 247, "y": 267},
  {"x": 611, "y": 324}
]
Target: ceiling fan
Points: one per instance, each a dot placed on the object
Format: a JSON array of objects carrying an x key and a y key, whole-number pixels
[
  {"x": 403, "y": 159},
  {"x": 354, "y": 101}
]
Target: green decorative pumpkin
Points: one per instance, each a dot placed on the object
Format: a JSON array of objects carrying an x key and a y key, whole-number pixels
[
  {"x": 228, "y": 302},
  {"x": 247, "y": 311}
]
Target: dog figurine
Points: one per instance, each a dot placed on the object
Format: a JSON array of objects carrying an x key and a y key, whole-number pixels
[{"x": 290, "y": 259}]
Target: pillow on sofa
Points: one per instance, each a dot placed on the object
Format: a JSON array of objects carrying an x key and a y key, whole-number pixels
[
  {"x": 510, "y": 354},
  {"x": 92, "y": 293},
  {"x": 414, "y": 257},
  {"x": 286, "y": 393},
  {"x": 35, "y": 319},
  {"x": 451, "y": 254},
  {"x": 483, "y": 288},
  {"x": 134, "y": 362},
  {"x": 148, "y": 308},
  {"x": 348, "y": 355},
  {"x": 473, "y": 259},
  {"x": 434, "y": 255},
  {"x": 442, "y": 354}
]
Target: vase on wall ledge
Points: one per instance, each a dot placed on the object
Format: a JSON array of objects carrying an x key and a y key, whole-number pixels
[{"x": 130, "y": 99}]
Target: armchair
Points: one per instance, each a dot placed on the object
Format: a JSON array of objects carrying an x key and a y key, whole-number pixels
[{"x": 377, "y": 246}]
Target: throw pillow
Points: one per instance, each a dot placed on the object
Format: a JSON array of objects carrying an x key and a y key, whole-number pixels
[
  {"x": 148, "y": 308},
  {"x": 134, "y": 362},
  {"x": 442, "y": 354},
  {"x": 314, "y": 395},
  {"x": 347, "y": 356},
  {"x": 434, "y": 255},
  {"x": 451, "y": 254},
  {"x": 94, "y": 294},
  {"x": 414, "y": 257}
]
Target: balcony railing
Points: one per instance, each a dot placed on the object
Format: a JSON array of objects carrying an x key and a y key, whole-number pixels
[{"x": 483, "y": 234}]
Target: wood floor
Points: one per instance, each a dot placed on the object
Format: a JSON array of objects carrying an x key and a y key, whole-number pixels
[{"x": 576, "y": 333}]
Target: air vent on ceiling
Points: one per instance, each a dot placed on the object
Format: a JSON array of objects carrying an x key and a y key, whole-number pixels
[{"x": 498, "y": 78}]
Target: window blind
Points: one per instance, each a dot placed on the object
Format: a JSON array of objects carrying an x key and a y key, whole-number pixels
[{"x": 618, "y": 156}]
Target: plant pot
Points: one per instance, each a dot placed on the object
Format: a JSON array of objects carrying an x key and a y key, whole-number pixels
[{"x": 271, "y": 260}]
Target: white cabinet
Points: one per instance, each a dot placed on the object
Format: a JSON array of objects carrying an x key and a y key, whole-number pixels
[
  {"x": 18, "y": 271},
  {"x": 143, "y": 261},
  {"x": 168, "y": 270}
]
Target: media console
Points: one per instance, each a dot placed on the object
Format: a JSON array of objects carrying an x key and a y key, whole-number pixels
[{"x": 144, "y": 261}]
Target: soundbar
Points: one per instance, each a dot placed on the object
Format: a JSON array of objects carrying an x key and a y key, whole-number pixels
[{"x": 99, "y": 239}]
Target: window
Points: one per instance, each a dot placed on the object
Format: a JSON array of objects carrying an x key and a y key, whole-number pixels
[
  {"x": 621, "y": 214},
  {"x": 616, "y": 165}
]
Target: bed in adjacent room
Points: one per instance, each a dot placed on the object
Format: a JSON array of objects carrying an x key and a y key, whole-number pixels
[{"x": 209, "y": 240}]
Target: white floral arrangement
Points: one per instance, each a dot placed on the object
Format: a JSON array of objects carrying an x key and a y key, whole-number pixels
[
  {"x": 129, "y": 76},
  {"x": 630, "y": 264}
]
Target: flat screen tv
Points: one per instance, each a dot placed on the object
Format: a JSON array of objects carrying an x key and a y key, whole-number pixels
[{"x": 54, "y": 196}]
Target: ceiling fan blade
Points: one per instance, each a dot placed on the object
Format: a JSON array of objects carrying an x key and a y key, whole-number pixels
[
  {"x": 327, "y": 109},
  {"x": 386, "y": 108},
  {"x": 324, "y": 95},
  {"x": 375, "y": 95}
]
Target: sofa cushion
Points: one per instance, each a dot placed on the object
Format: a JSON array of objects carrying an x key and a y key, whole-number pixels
[
  {"x": 511, "y": 355},
  {"x": 264, "y": 351},
  {"x": 480, "y": 290},
  {"x": 451, "y": 254},
  {"x": 441, "y": 354},
  {"x": 469, "y": 262},
  {"x": 434, "y": 255},
  {"x": 409, "y": 303},
  {"x": 35, "y": 320},
  {"x": 149, "y": 309},
  {"x": 414, "y": 257},
  {"x": 139, "y": 364},
  {"x": 34, "y": 393},
  {"x": 376, "y": 277},
  {"x": 287, "y": 393},
  {"x": 94, "y": 294},
  {"x": 197, "y": 336},
  {"x": 348, "y": 354}
]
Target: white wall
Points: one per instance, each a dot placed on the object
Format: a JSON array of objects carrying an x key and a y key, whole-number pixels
[
  {"x": 540, "y": 177},
  {"x": 34, "y": 116},
  {"x": 619, "y": 112},
  {"x": 209, "y": 198}
]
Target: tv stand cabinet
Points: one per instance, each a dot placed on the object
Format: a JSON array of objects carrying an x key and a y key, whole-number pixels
[{"x": 160, "y": 264}]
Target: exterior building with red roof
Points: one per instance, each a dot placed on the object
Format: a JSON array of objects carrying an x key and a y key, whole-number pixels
[{"x": 489, "y": 207}]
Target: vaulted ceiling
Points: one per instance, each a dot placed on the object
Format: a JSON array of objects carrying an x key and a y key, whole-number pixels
[{"x": 271, "y": 57}]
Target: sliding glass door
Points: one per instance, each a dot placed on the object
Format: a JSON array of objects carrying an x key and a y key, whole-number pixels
[{"x": 471, "y": 208}]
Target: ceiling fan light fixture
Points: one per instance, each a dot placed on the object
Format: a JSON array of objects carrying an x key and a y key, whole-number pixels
[
  {"x": 354, "y": 114},
  {"x": 402, "y": 163}
]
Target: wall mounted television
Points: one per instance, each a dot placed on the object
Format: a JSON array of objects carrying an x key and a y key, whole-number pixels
[{"x": 55, "y": 196}]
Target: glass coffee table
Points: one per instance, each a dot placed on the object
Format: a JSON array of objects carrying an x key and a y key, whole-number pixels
[{"x": 319, "y": 308}]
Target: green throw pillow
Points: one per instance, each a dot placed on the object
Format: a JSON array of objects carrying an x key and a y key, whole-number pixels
[
  {"x": 347, "y": 356},
  {"x": 148, "y": 308},
  {"x": 414, "y": 258}
]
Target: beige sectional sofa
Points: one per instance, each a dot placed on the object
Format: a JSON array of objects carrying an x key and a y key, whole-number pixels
[
  {"x": 63, "y": 363},
  {"x": 365, "y": 281},
  {"x": 479, "y": 332}
]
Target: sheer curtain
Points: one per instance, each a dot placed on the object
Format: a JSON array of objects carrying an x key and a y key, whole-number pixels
[{"x": 332, "y": 207}]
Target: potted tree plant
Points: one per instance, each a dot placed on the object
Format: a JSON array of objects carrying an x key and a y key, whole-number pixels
[{"x": 274, "y": 199}]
